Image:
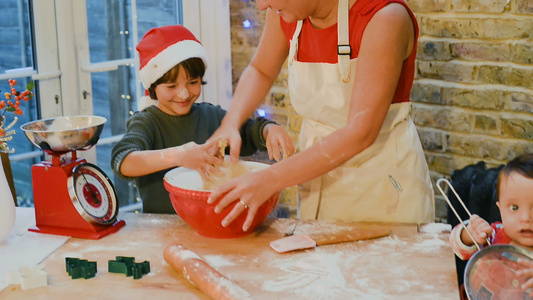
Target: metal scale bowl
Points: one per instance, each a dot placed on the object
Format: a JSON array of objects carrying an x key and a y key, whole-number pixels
[{"x": 72, "y": 197}]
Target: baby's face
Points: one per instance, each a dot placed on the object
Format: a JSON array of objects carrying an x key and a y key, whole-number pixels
[{"x": 516, "y": 208}]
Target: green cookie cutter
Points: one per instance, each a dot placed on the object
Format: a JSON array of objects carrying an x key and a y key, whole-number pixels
[
  {"x": 127, "y": 266},
  {"x": 80, "y": 268}
]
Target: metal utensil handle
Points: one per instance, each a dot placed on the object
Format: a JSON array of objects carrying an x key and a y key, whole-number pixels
[{"x": 454, "y": 211}]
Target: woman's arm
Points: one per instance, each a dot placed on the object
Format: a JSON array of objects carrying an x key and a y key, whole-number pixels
[
  {"x": 255, "y": 82},
  {"x": 388, "y": 40}
]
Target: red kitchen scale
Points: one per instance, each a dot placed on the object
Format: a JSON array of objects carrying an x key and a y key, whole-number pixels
[{"x": 72, "y": 197}]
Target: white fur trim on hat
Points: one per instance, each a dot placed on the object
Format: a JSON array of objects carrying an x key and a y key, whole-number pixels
[
  {"x": 169, "y": 58},
  {"x": 144, "y": 102}
]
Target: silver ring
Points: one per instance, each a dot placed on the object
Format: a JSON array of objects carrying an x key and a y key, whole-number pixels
[{"x": 244, "y": 204}]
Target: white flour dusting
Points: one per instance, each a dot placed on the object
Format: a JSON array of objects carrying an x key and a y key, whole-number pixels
[
  {"x": 105, "y": 248},
  {"x": 186, "y": 254},
  {"x": 319, "y": 274},
  {"x": 435, "y": 242},
  {"x": 310, "y": 274},
  {"x": 217, "y": 261},
  {"x": 69, "y": 254},
  {"x": 435, "y": 228}
]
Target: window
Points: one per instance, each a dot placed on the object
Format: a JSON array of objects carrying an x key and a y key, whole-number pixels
[
  {"x": 16, "y": 61},
  {"x": 82, "y": 56}
]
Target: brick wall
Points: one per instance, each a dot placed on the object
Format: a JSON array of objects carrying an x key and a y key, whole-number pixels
[{"x": 473, "y": 91}]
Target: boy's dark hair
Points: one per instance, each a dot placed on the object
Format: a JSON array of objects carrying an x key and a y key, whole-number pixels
[
  {"x": 522, "y": 165},
  {"x": 194, "y": 67}
]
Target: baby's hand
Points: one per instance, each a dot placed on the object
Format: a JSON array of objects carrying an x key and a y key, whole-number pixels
[
  {"x": 527, "y": 273},
  {"x": 479, "y": 228},
  {"x": 277, "y": 137}
]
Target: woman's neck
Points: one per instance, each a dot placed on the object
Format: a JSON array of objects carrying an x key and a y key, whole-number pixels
[{"x": 327, "y": 13}]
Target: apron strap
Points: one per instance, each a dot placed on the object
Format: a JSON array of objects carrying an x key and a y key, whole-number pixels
[
  {"x": 344, "y": 50},
  {"x": 294, "y": 42}
]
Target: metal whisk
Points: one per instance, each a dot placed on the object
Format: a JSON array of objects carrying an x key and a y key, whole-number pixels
[{"x": 453, "y": 209}]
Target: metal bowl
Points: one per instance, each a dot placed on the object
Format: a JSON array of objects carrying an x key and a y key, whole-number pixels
[
  {"x": 64, "y": 134},
  {"x": 491, "y": 273}
]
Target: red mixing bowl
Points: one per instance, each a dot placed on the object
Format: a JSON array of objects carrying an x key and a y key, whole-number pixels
[{"x": 189, "y": 200}]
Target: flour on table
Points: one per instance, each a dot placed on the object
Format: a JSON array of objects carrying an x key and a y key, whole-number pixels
[
  {"x": 70, "y": 254},
  {"x": 312, "y": 273},
  {"x": 435, "y": 242},
  {"x": 435, "y": 228},
  {"x": 321, "y": 274},
  {"x": 390, "y": 241}
]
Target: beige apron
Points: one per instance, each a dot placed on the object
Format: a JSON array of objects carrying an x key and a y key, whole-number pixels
[{"x": 387, "y": 182}]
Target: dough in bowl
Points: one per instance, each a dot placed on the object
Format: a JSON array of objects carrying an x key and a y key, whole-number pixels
[{"x": 228, "y": 172}]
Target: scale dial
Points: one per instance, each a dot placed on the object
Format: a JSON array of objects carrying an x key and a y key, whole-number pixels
[{"x": 93, "y": 194}]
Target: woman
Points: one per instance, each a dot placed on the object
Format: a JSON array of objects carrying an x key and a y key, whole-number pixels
[{"x": 360, "y": 156}]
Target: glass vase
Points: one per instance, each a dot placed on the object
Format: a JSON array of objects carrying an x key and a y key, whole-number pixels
[{"x": 7, "y": 206}]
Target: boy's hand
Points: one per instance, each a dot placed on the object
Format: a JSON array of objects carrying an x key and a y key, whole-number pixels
[
  {"x": 277, "y": 142},
  {"x": 479, "y": 228},
  {"x": 201, "y": 158}
]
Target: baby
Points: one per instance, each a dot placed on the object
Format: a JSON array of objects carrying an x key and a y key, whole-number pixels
[{"x": 515, "y": 202}]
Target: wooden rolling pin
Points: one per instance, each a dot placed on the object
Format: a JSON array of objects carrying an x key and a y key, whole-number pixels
[
  {"x": 201, "y": 274},
  {"x": 302, "y": 241},
  {"x": 352, "y": 236}
]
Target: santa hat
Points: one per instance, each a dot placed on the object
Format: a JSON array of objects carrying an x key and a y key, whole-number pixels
[
  {"x": 145, "y": 101},
  {"x": 162, "y": 48}
]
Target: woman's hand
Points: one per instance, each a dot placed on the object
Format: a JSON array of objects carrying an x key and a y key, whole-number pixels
[
  {"x": 479, "y": 228},
  {"x": 253, "y": 189},
  {"x": 201, "y": 158},
  {"x": 232, "y": 135},
  {"x": 278, "y": 142}
]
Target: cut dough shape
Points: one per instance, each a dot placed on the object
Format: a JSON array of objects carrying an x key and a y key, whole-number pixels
[
  {"x": 28, "y": 277},
  {"x": 293, "y": 242}
]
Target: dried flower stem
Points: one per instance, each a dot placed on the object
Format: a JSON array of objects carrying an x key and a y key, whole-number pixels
[{"x": 15, "y": 119}]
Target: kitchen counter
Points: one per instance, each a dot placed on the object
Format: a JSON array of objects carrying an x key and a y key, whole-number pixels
[{"x": 405, "y": 265}]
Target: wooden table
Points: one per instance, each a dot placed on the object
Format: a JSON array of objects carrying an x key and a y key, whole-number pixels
[{"x": 404, "y": 265}]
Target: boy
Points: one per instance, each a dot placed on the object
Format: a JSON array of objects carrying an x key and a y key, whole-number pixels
[{"x": 172, "y": 133}]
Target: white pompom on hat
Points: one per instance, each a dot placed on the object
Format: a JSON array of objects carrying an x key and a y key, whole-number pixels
[{"x": 162, "y": 48}]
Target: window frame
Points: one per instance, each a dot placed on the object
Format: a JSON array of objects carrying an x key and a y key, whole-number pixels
[
  {"x": 60, "y": 27},
  {"x": 62, "y": 68}
]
